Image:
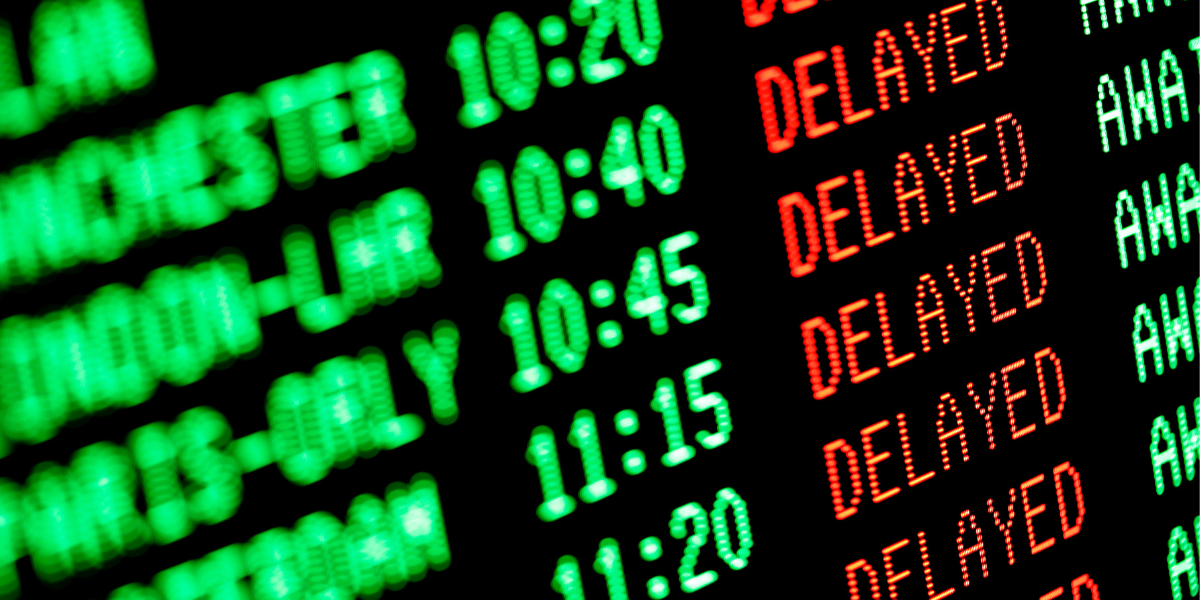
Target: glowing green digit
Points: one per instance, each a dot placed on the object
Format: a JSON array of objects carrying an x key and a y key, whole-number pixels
[
  {"x": 698, "y": 401},
  {"x": 377, "y": 88},
  {"x": 658, "y": 119},
  {"x": 643, "y": 294},
  {"x": 666, "y": 403},
  {"x": 566, "y": 579},
  {"x": 585, "y": 436},
  {"x": 513, "y": 61},
  {"x": 642, "y": 49},
  {"x": 608, "y": 563},
  {"x": 601, "y": 24},
  {"x": 692, "y": 511},
  {"x": 619, "y": 166},
  {"x": 492, "y": 191},
  {"x": 741, "y": 518},
  {"x": 517, "y": 323},
  {"x": 537, "y": 187},
  {"x": 565, "y": 346},
  {"x": 543, "y": 454},
  {"x": 690, "y": 274},
  {"x": 466, "y": 56}
]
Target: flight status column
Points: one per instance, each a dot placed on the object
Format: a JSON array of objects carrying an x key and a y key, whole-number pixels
[{"x": 937, "y": 172}]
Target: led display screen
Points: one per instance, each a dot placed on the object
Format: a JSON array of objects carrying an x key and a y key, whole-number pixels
[{"x": 601, "y": 299}]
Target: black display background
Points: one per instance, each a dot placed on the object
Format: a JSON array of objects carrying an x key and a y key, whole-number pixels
[{"x": 704, "y": 76}]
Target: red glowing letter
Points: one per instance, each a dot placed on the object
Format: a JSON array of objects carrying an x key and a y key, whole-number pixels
[
  {"x": 1001, "y": 121},
  {"x": 1030, "y": 513},
  {"x": 849, "y": 115},
  {"x": 829, "y": 217},
  {"x": 888, "y": 41},
  {"x": 988, "y": 42},
  {"x": 1006, "y": 526},
  {"x": 872, "y": 579},
  {"x": 964, "y": 551},
  {"x": 756, "y": 15},
  {"x": 1062, "y": 388},
  {"x": 850, "y": 339},
  {"x": 874, "y": 459},
  {"x": 820, "y": 390},
  {"x": 808, "y": 92},
  {"x": 976, "y": 197},
  {"x": 991, "y": 282},
  {"x": 1010, "y": 399},
  {"x": 766, "y": 103},
  {"x": 944, "y": 435},
  {"x": 1030, "y": 301},
  {"x": 1069, "y": 531},
  {"x": 835, "y": 486},
  {"x": 799, "y": 266}
]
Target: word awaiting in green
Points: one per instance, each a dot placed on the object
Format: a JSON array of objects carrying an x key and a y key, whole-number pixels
[
  {"x": 83, "y": 53},
  {"x": 1189, "y": 447},
  {"x": 1177, "y": 331},
  {"x": 384, "y": 544},
  {"x": 1117, "y": 6},
  {"x": 1159, "y": 219},
  {"x": 1189, "y": 566},
  {"x": 1141, "y": 102},
  {"x": 197, "y": 165}
]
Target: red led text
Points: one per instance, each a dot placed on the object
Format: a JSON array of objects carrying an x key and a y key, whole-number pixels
[
  {"x": 1062, "y": 483},
  {"x": 911, "y": 197},
  {"x": 883, "y": 468},
  {"x": 993, "y": 45},
  {"x": 973, "y": 286}
]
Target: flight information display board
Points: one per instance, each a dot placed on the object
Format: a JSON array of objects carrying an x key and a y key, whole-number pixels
[{"x": 599, "y": 299}]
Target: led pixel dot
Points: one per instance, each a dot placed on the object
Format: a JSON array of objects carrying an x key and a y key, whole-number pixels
[
  {"x": 610, "y": 334},
  {"x": 585, "y": 204},
  {"x": 552, "y": 30},
  {"x": 627, "y": 422},
  {"x": 634, "y": 462},
  {"x": 578, "y": 162},
  {"x": 651, "y": 549},
  {"x": 602, "y": 294}
]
